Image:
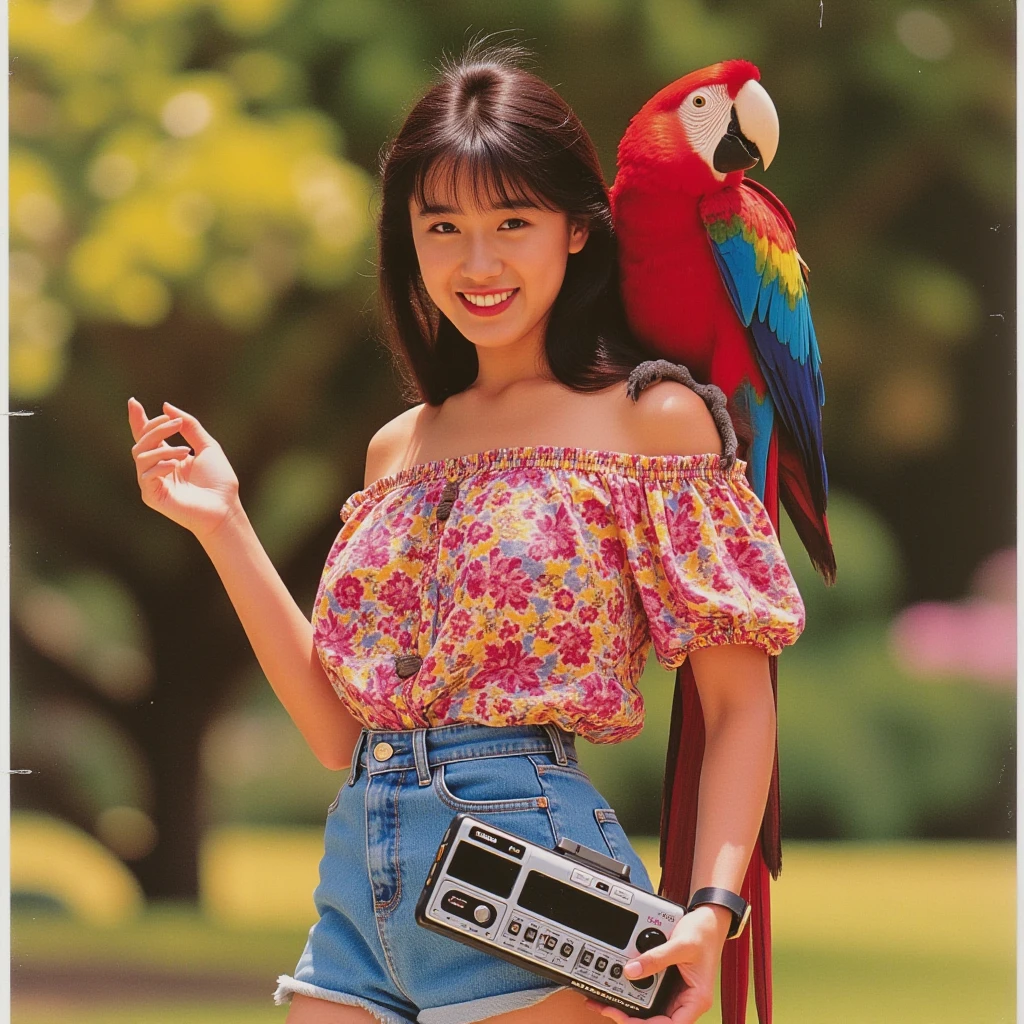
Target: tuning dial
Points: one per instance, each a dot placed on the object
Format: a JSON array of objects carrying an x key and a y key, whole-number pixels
[
  {"x": 649, "y": 938},
  {"x": 483, "y": 914}
]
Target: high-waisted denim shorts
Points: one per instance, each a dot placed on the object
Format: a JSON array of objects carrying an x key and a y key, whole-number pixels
[{"x": 383, "y": 831}]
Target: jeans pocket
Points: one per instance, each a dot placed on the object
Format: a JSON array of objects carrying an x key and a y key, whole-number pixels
[
  {"x": 621, "y": 848},
  {"x": 483, "y": 785},
  {"x": 334, "y": 803}
]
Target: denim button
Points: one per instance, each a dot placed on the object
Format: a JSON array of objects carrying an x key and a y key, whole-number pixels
[{"x": 383, "y": 750}]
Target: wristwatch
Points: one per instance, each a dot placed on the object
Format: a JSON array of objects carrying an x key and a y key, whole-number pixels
[{"x": 724, "y": 898}]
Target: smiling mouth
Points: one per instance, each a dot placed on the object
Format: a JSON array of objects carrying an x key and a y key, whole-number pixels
[{"x": 490, "y": 304}]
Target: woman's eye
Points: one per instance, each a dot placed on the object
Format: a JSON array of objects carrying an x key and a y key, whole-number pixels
[
  {"x": 514, "y": 221},
  {"x": 441, "y": 229}
]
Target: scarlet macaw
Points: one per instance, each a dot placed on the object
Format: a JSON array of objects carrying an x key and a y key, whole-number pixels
[{"x": 711, "y": 279}]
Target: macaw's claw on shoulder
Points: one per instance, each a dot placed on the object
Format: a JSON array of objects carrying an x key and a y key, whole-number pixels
[{"x": 650, "y": 370}]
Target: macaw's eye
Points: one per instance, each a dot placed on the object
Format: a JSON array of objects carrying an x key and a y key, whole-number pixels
[{"x": 698, "y": 101}]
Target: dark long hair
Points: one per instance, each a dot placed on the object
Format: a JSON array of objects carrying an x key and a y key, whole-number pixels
[{"x": 516, "y": 138}]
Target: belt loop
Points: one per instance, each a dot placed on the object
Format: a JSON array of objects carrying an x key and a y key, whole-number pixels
[
  {"x": 356, "y": 750},
  {"x": 556, "y": 742},
  {"x": 419, "y": 753}
]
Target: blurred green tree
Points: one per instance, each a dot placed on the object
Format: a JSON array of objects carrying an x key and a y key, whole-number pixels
[{"x": 190, "y": 201}]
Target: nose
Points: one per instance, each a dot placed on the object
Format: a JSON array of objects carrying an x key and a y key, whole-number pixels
[{"x": 481, "y": 262}]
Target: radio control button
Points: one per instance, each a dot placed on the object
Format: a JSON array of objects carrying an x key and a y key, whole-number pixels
[
  {"x": 550, "y": 941},
  {"x": 623, "y": 895},
  {"x": 530, "y": 934},
  {"x": 602, "y": 963},
  {"x": 483, "y": 914},
  {"x": 583, "y": 877},
  {"x": 642, "y": 982},
  {"x": 649, "y": 938},
  {"x": 586, "y": 956},
  {"x": 515, "y": 927},
  {"x": 566, "y": 950},
  {"x": 616, "y": 971}
]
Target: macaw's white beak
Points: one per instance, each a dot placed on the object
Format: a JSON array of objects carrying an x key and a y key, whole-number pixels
[{"x": 758, "y": 119}]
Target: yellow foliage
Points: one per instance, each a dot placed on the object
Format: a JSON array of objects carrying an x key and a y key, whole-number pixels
[
  {"x": 89, "y": 105},
  {"x": 143, "y": 11},
  {"x": 261, "y": 876},
  {"x": 49, "y": 856},
  {"x": 251, "y": 17},
  {"x": 34, "y": 369},
  {"x": 35, "y": 196},
  {"x": 141, "y": 299},
  {"x": 238, "y": 291},
  {"x": 71, "y": 44}
]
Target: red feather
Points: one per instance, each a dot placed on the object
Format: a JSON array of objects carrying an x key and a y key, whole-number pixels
[{"x": 678, "y": 305}]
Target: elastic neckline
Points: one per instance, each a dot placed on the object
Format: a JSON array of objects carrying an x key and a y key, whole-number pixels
[{"x": 581, "y": 460}]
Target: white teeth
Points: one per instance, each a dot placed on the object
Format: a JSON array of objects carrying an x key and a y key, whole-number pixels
[{"x": 488, "y": 300}]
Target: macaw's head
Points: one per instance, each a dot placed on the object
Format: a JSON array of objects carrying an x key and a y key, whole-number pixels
[{"x": 702, "y": 131}]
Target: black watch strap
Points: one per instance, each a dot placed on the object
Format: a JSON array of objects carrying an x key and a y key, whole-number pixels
[{"x": 724, "y": 898}]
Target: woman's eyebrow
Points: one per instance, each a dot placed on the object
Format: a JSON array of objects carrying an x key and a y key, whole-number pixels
[{"x": 439, "y": 209}]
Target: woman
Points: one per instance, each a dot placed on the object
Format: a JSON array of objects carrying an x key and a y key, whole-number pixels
[{"x": 523, "y": 536}]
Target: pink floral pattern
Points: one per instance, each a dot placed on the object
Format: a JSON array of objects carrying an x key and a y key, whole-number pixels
[{"x": 540, "y": 596}]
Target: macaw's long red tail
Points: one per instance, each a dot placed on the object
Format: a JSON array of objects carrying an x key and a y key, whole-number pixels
[
  {"x": 806, "y": 510},
  {"x": 683, "y": 763},
  {"x": 678, "y": 839}
]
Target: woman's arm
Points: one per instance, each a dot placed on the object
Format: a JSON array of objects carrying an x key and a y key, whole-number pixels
[
  {"x": 739, "y": 750},
  {"x": 280, "y": 633},
  {"x": 199, "y": 491},
  {"x": 282, "y": 640}
]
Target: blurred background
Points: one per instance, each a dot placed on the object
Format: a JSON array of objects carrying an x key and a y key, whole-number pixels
[{"x": 191, "y": 208}]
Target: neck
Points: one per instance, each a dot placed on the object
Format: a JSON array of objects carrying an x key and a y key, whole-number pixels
[{"x": 521, "y": 362}]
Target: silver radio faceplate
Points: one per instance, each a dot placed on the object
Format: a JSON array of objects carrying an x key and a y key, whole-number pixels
[{"x": 569, "y": 913}]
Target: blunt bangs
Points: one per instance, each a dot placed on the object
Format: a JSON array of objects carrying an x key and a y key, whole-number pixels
[{"x": 495, "y": 178}]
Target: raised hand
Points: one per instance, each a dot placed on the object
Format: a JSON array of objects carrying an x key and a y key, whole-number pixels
[{"x": 194, "y": 488}]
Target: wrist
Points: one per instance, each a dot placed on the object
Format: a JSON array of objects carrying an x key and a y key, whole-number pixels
[
  {"x": 724, "y": 899},
  {"x": 228, "y": 527},
  {"x": 719, "y": 919}
]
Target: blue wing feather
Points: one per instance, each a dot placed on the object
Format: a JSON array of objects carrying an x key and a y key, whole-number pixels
[{"x": 784, "y": 339}]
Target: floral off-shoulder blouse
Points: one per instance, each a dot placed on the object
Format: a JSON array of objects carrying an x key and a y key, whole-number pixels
[{"x": 528, "y": 584}]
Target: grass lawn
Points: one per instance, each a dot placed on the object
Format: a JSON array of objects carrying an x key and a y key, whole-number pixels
[{"x": 866, "y": 933}]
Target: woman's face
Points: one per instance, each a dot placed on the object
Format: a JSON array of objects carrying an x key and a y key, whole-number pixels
[{"x": 493, "y": 270}]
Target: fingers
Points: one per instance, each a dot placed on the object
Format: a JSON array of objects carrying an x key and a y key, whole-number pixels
[
  {"x": 691, "y": 1006},
  {"x": 154, "y": 434},
  {"x": 139, "y": 421},
  {"x": 191, "y": 429},
  {"x": 146, "y": 460},
  {"x": 683, "y": 947},
  {"x": 137, "y": 418}
]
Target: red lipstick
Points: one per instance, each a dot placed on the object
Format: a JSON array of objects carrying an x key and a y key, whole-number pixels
[{"x": 494, "y": 310}]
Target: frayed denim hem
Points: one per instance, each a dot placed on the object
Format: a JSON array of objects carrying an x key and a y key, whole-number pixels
[
  {"x": 287, "y": 986},
  {"x": 490, "y": 1006}
]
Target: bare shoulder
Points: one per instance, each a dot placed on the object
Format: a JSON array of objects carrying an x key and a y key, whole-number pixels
[
  {"x": 670, "y": 419},
  {"x": 388, "y": 446}
]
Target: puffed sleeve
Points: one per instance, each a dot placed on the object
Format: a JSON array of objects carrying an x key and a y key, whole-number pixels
[{"x": 705, "y": 560}]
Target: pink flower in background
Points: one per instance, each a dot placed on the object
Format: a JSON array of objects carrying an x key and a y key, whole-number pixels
[{"x": 976, "y": 637}]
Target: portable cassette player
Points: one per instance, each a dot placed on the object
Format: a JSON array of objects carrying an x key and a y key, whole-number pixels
[{"x": 569, "y": 913}]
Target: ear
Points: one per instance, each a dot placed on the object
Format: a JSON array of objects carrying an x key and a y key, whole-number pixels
[{"x": 579, "y": 231}]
